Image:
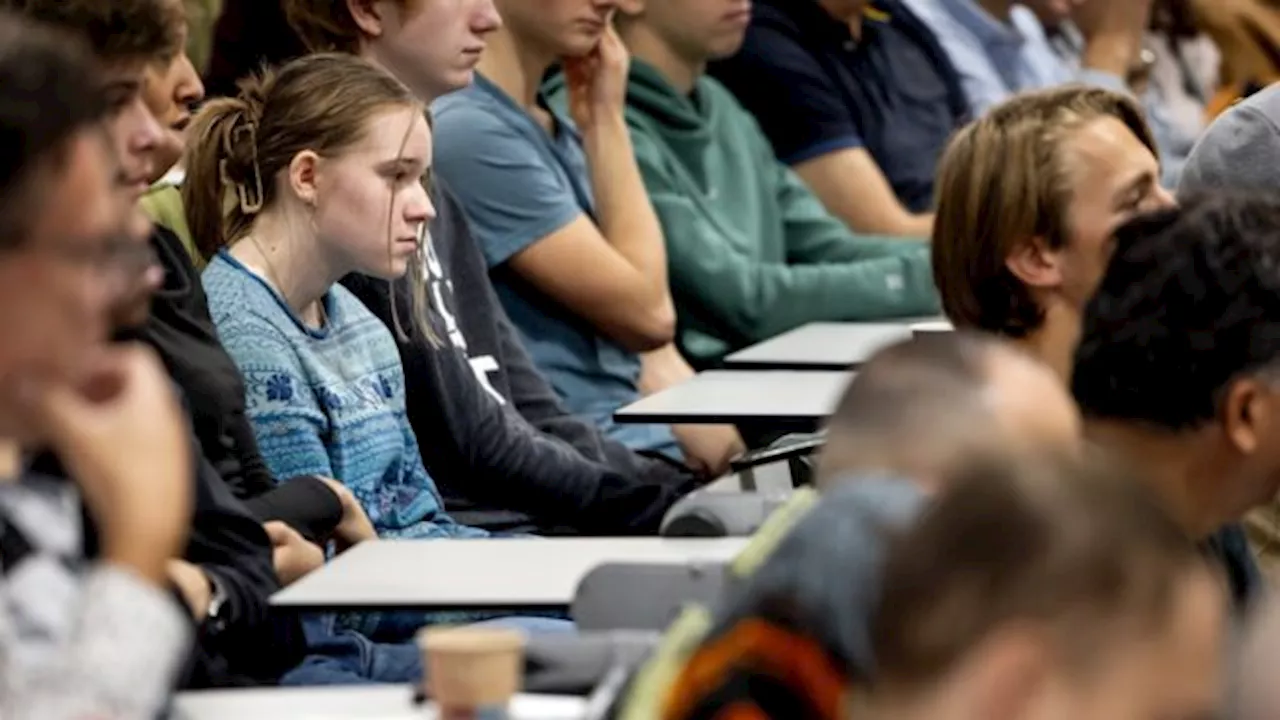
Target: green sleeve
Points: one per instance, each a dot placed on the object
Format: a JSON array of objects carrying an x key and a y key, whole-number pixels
[{"x": 745, "y": 300}]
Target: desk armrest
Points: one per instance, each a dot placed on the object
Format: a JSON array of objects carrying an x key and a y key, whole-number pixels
[{"x": 643, "y": 596}]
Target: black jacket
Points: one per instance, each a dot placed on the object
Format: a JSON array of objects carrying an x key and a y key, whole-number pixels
[{"x": 504, "y": 451}]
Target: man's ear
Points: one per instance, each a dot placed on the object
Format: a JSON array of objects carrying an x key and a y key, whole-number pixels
[
  {"x": 1246, "y": 414},
  {"x": 304, "y": 172},
  {"x": 368, "y": 15},
  {"x": 1035, "y": 264},
  {"x": 1008, "y": 671}
]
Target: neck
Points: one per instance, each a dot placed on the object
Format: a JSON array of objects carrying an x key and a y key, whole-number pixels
[
  {"x": 645, "y": 45},
  {"x": 10, "y": 460},
  {"x": 1169, "y": 464},
  {"x": 370, "y": 54},
  {"x": 292, "y": 261},
  {"x": 999, "y": 9},
  {"x": 515, "y": 67},
  {"x": 1054, "y": 343},
  {"x": 851, "y": 16},
  {"x": 918, "y": 705}
]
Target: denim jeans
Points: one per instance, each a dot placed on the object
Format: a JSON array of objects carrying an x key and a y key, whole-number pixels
[{"x": 346, "y": 657}]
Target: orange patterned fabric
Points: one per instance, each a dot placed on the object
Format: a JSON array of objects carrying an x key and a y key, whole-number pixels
[{"x": 756, "y": 649}]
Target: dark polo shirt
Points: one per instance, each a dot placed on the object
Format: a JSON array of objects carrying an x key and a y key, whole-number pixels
[{"x": 816, "y": 90}]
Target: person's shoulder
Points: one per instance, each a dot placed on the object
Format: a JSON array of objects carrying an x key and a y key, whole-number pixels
[
  {"x": 1239, "y": 150},
  {"x": 472, "y": 109}
]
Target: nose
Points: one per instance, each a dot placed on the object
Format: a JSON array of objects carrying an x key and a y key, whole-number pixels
[
  {"x": 486, "y": 18},
  {"x": 145, "y": 131},
  {"x": 190, "y": 90},
  {"x": 419, "y": 209},
  {"x": 1164, "y": 199}
]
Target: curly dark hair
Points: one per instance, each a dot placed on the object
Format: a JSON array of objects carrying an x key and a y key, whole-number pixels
[
  {"x": 1190, "y": 302},
  {"x": 115, "y": 29}
]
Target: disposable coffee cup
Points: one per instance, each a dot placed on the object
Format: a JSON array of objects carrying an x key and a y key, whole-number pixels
[{"x": 472, "y": 670}]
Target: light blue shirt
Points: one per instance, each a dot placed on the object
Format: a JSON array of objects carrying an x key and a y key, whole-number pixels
[
  {"x": 997, "y": 60},
  {"x": 518, "y": 184}
]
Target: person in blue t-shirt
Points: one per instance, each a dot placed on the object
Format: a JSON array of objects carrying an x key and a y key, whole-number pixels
[{"x": 558, "y": 206}]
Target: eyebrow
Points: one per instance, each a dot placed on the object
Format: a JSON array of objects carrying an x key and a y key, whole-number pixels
[{"x": 401, "y": 163}]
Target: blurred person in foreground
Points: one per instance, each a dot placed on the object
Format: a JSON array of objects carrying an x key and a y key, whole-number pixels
[
  {"x": 914, "y": 412},
  {"x": 79, "y": 639}
]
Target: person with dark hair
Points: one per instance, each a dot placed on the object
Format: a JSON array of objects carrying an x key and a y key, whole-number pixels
[
  {"x": 232, "y": 564},
  {"x": 78, "y": 638},
  {"x": 1042, "y": 583},
  {"x": 1176, "y": 368},
  {"x": 1028, "y": 197},
  {"x": 914, "y": 413}
]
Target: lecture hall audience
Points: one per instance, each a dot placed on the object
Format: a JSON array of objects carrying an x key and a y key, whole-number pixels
[
  {"x": 751, "y": 252},
  {"x": 443, "y": 248}
]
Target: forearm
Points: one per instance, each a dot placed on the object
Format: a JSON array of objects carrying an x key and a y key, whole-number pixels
[
  {"x": 623, "y": 212},
  {"x": 661, "y": 369},
  {"x": 1111, "y": 53}
]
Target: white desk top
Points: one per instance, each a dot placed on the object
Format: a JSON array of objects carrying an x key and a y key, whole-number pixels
[
  {"x": 827, "y": 345},
  {"x": 743, "y": 396},
  {"x": 379, "y": 702},
  {"x": 512, "y": 574},
  {"x": 820, "y": 346}
]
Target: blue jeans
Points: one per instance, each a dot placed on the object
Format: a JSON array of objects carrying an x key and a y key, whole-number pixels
[{"x": 346, "y": 657}]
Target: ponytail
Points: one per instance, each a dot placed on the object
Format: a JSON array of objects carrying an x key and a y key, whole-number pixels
[{"x": 224, "y": 187}]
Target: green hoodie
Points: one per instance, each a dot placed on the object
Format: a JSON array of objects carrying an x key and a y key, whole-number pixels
[{"x": 752, "y": 252}]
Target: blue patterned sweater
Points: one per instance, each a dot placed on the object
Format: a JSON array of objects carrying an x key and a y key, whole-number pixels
[{"x": 328, "y": 402}]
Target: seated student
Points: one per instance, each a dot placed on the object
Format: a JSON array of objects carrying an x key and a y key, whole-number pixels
[
  {"x": 914, "y": 413},
  {"x": 1173, "y": 369},
  {"x": 311, "y": 165},
  {"x": 1028, "y": 197},
  {"x": 1045, "y": 588},
  {"x": 548, "y": 194},
  {"x": 505, "y": 452},
  {"x": 101, "y": 638},
  {"x": 1056, "y": 22},
  {"x": 1239, "y": 152},
  {"x": 752, "y": 253},
  {"x": 226, "y": 574},
  {"x": 1000, "y": 49},
  {"x": 858, "y": 98}
]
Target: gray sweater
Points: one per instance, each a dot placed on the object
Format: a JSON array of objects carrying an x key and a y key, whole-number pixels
[{"x": 77, "y": 641}]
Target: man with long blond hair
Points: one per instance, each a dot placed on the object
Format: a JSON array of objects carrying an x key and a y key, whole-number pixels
[{"x": 1028, "y": 197}]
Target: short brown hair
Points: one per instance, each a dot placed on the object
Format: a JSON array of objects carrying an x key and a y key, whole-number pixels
[
  {"x": 115, "y": 29},
  {"x": 327, "y": 25},
  {"x": 1075, "y": 544},
  {"x": 1002, "y": 182},
  {"x": 933, "y": 385},
  {"x": 49, "y": 92}
]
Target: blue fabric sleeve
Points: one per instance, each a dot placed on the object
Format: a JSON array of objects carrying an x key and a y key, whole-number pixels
[{"x": 511, "y": 194}]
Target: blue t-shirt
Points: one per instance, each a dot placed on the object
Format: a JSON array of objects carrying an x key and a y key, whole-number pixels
[
  {"x": 518, "y": 184},
  {"x": 328, "y": 401}
]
